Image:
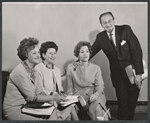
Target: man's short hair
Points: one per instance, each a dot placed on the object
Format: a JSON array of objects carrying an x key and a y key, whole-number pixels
[{"x": 105, "y": 14}]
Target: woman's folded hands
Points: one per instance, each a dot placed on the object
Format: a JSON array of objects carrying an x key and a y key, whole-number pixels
[{"x": 58, "y": 98}]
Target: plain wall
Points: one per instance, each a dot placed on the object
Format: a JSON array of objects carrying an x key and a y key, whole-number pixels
[{"x": 67, "y": 24}]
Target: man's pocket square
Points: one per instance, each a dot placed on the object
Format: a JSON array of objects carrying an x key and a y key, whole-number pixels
[{"x": 123, "y": 42}]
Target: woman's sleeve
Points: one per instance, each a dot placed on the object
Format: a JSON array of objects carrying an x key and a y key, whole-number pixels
[
  {"x": 23, "y": 83},
  {"x": 99, "y": 83},
  {"x": 39, "y": 89},
  {"x": 69, "y": 81},
  {"x": 39, "y": 80}
]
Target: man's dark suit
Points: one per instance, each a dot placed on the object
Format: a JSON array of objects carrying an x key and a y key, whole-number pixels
[{"x": 128, "y": 51}]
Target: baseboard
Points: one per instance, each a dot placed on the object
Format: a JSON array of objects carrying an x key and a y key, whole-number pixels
[{"x": 112, "y": 102}]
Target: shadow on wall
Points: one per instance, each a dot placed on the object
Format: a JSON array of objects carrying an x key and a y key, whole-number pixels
[
  {"x": 101, "y": 60},
  {"x": 92, "y": 35},
  {"x": 97, "y": 59},
  {"x": 63, "y": 76}
]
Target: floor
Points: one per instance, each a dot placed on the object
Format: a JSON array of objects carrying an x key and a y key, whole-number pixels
[
  {"x": 137, "y": 116},
  {"x": 140, "y": 112}
]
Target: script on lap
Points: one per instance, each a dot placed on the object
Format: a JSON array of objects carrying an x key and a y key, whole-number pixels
[{"x": 73, "y": 99}]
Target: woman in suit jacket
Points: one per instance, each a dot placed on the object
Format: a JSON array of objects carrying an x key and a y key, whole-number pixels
[
  {"x": 48, "y": 75},
  {"x": 84, "y": 78},
  {"x": 22, "y": 86}
]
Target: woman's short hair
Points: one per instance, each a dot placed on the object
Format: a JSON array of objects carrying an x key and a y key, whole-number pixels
[
  {"x": 79, "y": 45},
  {"x": 26, "y": 45},
  {"x": 45, "y": 46}
]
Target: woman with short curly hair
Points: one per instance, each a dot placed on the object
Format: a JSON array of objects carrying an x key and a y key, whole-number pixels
[
  {"x": 79, "y": 45},
  {"x": 26, "y": 45},
  {"x": 48, "y": 75},
  {"x": 84, "y": 78},
  {"x": 22, "y": 86}
]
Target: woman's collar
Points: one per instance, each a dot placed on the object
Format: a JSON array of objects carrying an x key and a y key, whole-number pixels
[
  {"x": 30, "y": 70},
  {"x": 48, "y": 66},
  {"x": 77, "y": 64}
]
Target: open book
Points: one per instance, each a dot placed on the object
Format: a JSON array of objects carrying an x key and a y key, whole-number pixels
[
  {"x": 45, "y": 109},
  {"x": 72, "y": 99},
  {"x": 131, "y": 72}
]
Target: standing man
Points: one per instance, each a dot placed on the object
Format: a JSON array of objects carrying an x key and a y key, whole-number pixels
[{"x": 122, "y": 48}]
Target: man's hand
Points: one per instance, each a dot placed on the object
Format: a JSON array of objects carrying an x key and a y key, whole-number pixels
[{"x": 138, "y": 81}]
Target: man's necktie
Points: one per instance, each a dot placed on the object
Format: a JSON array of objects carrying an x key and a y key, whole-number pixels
[{"x": 111, "y": 39}]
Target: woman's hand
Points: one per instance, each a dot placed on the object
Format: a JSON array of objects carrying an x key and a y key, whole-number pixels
[
  {"x": 56, "y": 98},
  {"x": 63, "y": 98},
  {"x": 93, "y": 98},
  {"x": 59, "y": 98},
  {"x": 55, "y": 93},
  {"x": 63, "y": 94}
]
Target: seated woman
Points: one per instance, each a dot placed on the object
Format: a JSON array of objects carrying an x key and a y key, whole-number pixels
[
  {"x": 22, "y": 87},
  {"x": 50, "y": 79},
  {"x": 84, "y": 78}
]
